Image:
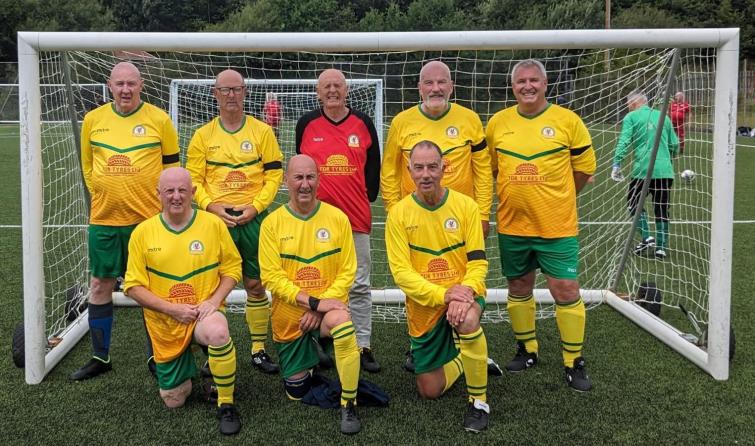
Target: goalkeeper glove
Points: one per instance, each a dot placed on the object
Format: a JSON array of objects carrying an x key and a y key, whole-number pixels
[{"x": 616, "y": 174}]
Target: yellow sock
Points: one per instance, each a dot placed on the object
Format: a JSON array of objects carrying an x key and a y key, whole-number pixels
[
  {"x": 453, "y": 370},
  {"x": 522, "y": 313},
  {"x": 347, "y": 360},
  {"x": 257, "y": 319},
  {"x": 571, "y": 323},
  {"x": 474, "y": 356},
  {"x": 223, "y": 368}
]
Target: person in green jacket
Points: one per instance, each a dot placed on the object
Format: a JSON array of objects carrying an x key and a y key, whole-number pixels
[{"x": 637, "y": 134}]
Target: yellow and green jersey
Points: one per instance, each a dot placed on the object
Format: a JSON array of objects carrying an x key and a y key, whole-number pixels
[
  {"x": 313, "y": 253},
  {"x": 244, "y": 167},
  {"x": 536, "y": 158},
  {"x": 181, "y": 267},
  {"x": 432, "y": 248},
  {"x": 461, "y": 139},
  {"x": 122, "y": 156}
]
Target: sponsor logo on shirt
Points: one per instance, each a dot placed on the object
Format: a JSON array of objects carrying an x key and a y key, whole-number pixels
[
  {"x": 98, "y": 131},
  {"x": 337, "y": 165},
  {"x": 309, "y": 278},
  {"x": 322, "y": 235},
  {"x": 451, "y": 225},
  {"x": 182, "y": 293},
  {"x": 234, "y": 180},
  {"x": 120, "y": 165},
  {"x": 139, "y": 130},
  {"x": 353, "y": 141},
  {"x": 449, "y": 166},
  {"x": 548, "y": 132},
  {"x": 438, "y": 270},
  {"x": 213, "y": 148},
  {"x": 526, "y": 173},
  {"x": 246, "y": 146},
  {"x": 318, "y": 139},
  {"x": 196, "y": 247},
  {"x": 452, "y": 132}
]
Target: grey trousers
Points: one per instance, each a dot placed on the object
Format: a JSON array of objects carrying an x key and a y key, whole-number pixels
[{"x": 360, "y": 297}]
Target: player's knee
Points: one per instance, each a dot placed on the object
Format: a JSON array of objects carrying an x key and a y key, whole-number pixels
[
  {"x": 101, "y": 290},
  {"x": 335, "y": 318},
  {"x": 429, "y": 388},
  {"x": 176, "y": 397},
  {"x": 213, "y": 330},
  {"x": 298, "y": 385},
  {"x": 565, "y": 291},
  {"x": 471, "y": 323}
]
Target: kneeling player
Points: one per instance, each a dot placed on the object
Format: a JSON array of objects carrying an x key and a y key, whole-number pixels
[
  {"x": 182, "y": 265},
  {"x": 437, "y": 257},
  {"x": 308, "y": 263}
]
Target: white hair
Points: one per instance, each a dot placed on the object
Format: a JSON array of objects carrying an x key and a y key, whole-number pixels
[{"x": 527, "y": 63}]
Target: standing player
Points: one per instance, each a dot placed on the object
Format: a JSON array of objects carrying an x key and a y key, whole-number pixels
[
  {"x": 457, "y": 131},
  {"x": 344, "y": 144},
  {"x": 271, "y": 112},
  {"x": 544, "y": 157},
  {"x": 124, "y": 147},
  {"x": 308, "y": 264},
  {"x": 236, "y": 165},
  {"x": 637, "y": 134},
  {"x": 679, "y": 110},
  {"x": 182, "y": 265},
  {"x": 437, "y": 256}
]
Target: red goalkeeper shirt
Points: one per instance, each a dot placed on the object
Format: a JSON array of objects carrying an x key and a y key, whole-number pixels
[{"x": 347, "y": 154}]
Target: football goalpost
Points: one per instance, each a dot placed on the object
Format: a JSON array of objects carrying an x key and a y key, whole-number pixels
[{"x": 683, "y": 300}]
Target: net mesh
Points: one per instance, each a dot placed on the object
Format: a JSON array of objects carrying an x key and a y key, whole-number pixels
[{"x": 594, "y": 83}]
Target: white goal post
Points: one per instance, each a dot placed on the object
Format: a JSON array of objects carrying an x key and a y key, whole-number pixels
[{"x": 590, "y": 69}]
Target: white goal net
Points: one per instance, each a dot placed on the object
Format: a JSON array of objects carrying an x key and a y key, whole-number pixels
[{"x": 591, "y": 76}]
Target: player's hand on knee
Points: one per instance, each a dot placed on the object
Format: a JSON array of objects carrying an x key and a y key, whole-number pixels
[
  {"x": 327, "y": 305},
  {"x": 457, "y": 312},
  {"x": 309, "y": 321},
  {"x": 184, "y": 313},
  {"x": 459, "y": 293},
  {"x": 205, "y": 309}
]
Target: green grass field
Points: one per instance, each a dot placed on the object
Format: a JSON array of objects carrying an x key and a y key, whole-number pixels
[{"x": 644, "y": 392}]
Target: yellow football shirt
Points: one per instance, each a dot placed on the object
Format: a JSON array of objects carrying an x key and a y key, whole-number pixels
[
  {"x": 181, "y": 267},
  {"x": 122, "y": 156},
  {"x": 313, "y": 253},
  {"x": 432, "y": 248},
  {"x": 244, "y": 167},
  {"x": 536, "y": 158},
  {"x": 459, "y": 135}
]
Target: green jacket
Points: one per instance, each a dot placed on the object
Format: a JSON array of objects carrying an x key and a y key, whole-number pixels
[{"x": 638, "y": 132}]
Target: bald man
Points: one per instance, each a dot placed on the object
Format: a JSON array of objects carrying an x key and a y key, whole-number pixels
[
  {"x": 236, "y": 165},
  {"x": 182, "y": 265},
  {"x": 124, "y": 147},
  {"x": 457, "y": 131},
  {"x": 308, "y": 264},
  {"x": 344, "y": 144}
]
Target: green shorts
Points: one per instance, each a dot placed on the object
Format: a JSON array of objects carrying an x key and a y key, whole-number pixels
[
  {"x": 558, "y": 257},
  {"x": 436, "y": 347},
  {"x": 247, "y": 240},
  {"x": 171, "y": 374},
  {"x": 297, "y": 355},
  {"x": 108, "y": 250}
]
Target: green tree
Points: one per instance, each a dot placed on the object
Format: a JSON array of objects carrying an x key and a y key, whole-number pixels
[{"x": 289, "y": 15}]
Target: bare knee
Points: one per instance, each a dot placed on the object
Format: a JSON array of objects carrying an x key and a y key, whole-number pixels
[
  {"x": 430, "y": 387},
  {"x": 333, "y": 319},
  {"x": 522, "y": 286},
  {"x": 101, "y": 290},
  {"x": 563, "y": 290},
  {"x": 176, "y": 397},
  {"x": 212, "y": 330}
]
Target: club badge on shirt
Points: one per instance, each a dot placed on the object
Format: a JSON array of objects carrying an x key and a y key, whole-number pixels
[
  {"x": 323, "y": 235},
  {"x": 353, "y": 141},
  {"x": 196, "y": 247},
  {"x": 451, "y": 225},
  {"x": 452, "y": 132},
  {"x": 246, "y": 146},
  {"x": 139, "y": 130}
]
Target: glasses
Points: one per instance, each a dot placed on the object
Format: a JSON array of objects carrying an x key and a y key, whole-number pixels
[{"x": 225, "y": 91}]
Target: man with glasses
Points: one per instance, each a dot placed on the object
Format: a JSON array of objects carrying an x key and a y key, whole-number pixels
[{"x": 236, "y": 165}]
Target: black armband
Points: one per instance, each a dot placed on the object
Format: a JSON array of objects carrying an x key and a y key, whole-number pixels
[{"x": 314, "y": 303}]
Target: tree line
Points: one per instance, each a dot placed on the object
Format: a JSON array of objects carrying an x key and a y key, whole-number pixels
[{"x": 366, "y": 15}]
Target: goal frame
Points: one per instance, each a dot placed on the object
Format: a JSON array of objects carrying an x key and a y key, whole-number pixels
[{"x": 714, "y": 361}]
